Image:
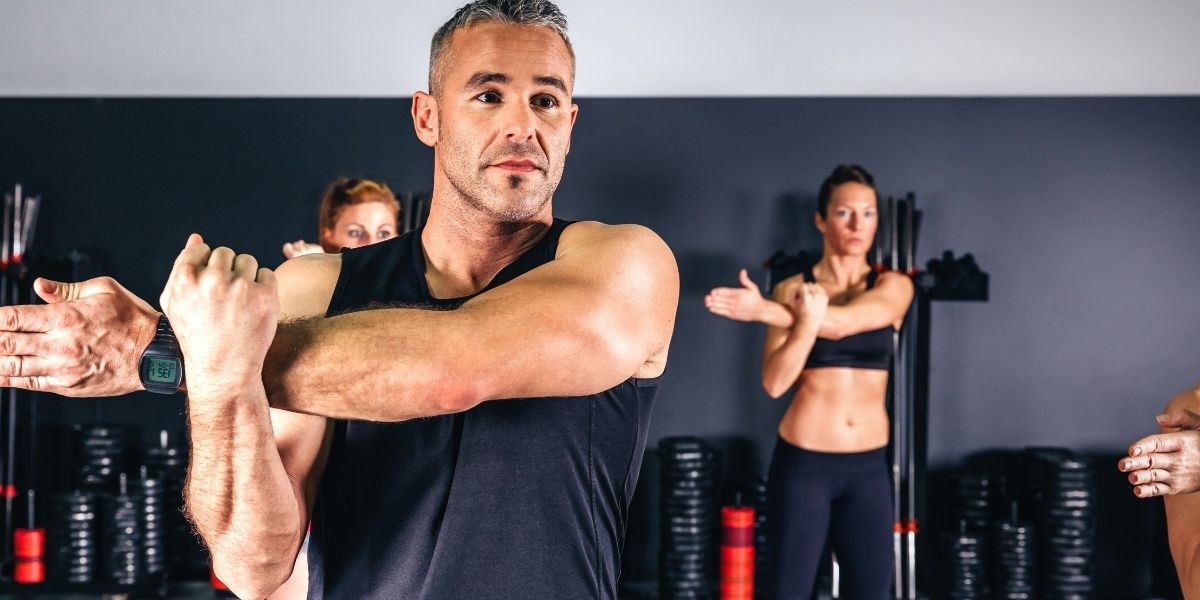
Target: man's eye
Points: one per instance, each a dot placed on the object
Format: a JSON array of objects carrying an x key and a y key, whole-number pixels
[
  {"x": 545, "y": 102},
  {"x": 488, "y": 97}
]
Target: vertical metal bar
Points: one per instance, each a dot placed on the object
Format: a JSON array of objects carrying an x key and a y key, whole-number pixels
[
  {"x": 893, "y": 227},
  {"x": 835, "y": 585},
  {"x": 898, "y": 429},
  {"x": 910, "y": 456},
  {"x": 898, "y": 452}
]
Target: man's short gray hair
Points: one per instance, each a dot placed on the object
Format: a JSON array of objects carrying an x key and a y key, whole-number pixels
[{"x": 526, "y": 13}]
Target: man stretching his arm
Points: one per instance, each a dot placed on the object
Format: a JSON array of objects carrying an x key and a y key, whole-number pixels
[{"x": 480, "y": 438}]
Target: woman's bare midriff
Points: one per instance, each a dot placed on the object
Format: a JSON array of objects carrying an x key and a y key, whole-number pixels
[{"x": 838, "y": 409}]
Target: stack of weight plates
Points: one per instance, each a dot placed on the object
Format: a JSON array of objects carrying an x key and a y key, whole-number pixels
[
  {"x": 1064, "y": 488},
  {"x": 1013, "y": 564},
  {"x": 758, "y": 501},
  {"x": 962, "y": 568},
  {"x": 688, "y": 512},
  {"x": 977, "y": 501},
  {"x": 72, "y": 543},
  {"x": 121, "y": 526},
  {"x": 103, "y": 452},
  {"x": 167, "y": 463},
  {"x": 154, "y": 547}
]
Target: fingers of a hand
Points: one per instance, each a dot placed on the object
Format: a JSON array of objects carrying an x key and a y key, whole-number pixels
[
  {"x": 194, "y": 253},
  {"x": 221, "y": 259},
  {"x": 58, "y": 291},
  {"x": 193, "y": 240},
  {"x": 1162, "y": 442},
  {"x": 24, "y": 366},
  {"x": 1155, "y": 460},
  {"x": 1149, "y": 476},
  {"x": 1182, "y": 419},
  {"x": 245, "y": 266},
  {"x": 14, "y": 343},
  {"x": 1150, "y": 490},
  {"x": 1161, "y": 460},
  {"x": 35, "y": 384},
  {"x": 47, "y": 290},
  {"x": 266, "y": 277},
  {"x": 27, "y": 318},
  {"x": 747, "y": 283},
  {"x": 1133, "y": 463}
]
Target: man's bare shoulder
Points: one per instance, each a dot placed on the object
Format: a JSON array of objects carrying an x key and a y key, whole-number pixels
[
  {"x": 306, "y": 284},
  {"x": 603, "y": 237},
  {"x": 637, "y": 267}
]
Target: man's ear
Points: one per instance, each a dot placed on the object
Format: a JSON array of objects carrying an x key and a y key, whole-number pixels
[{"x": 425, "y": 118}]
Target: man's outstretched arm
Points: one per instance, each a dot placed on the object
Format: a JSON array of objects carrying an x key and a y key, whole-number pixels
[{"x": 602, "y": 312}]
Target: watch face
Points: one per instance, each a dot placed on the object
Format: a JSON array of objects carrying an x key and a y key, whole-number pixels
[{"x": 164, "y": 371}]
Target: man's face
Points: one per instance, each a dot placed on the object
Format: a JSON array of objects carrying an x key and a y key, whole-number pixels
[{"x": 505, "y": 117}]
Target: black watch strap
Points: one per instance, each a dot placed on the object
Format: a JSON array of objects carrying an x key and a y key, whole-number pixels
[
  {"x": 164, "y": 334},
  {"x": 161, "y": 367}
]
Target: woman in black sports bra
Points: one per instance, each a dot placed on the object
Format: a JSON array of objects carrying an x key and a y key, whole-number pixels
[{"x": 830, "y": 336}]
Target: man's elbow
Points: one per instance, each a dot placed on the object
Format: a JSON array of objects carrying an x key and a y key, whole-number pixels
[
  {"x": 455, "y": 395},
  {"x": 254, "y": 580}
]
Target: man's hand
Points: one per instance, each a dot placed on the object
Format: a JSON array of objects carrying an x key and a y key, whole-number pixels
[
  {"x": 1166, "y": 463},
  {"x": 86, "y": 340},
  {"x": 224, "y": 310},
  {"x": 740, "y": 303}
]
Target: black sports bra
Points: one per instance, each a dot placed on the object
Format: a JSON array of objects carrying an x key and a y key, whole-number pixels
[{"x": 867, "y": 350}]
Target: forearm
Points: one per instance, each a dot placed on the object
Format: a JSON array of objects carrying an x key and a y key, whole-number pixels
[
  {"x": 782, "y": 365},
  {"x": 238, "y": 494},
  {"x": 1183, "y": 511},
  {"x": 359, "y": 366},
  {"x": 775, "y": 314}
]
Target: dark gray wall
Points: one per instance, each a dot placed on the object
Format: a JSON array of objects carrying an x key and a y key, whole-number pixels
[{"x": 1084, "y": 211}]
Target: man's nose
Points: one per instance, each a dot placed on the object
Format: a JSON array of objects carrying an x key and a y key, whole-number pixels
[{"x": 519, "y": 125}]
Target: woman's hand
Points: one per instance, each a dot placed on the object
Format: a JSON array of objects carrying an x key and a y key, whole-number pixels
[
  {"x": 744, "y": 303},
  {"x": 300, "y": 248},
  {"x": 809, "y": 303}
]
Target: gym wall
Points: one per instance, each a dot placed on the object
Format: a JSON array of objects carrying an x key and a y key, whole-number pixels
[
  {"x": 1083, "y": 210},
  {"x": 1027, "y": 131}
]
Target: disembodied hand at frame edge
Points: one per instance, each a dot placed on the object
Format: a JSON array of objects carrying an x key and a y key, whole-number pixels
[
  {"x": 1167, "y": 463},
  {"x": 86, "y": 341}
]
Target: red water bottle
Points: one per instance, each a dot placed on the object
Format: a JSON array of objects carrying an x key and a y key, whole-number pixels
[
  {"x": 30, "y": 549},
  {"x": 737, "y": 553}
]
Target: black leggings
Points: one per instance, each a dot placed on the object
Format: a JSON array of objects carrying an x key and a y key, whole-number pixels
[{"x": 846, "y": 498}]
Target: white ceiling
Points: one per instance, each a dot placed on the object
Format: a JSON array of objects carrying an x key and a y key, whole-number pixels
[{"x": 368, "y": 48}]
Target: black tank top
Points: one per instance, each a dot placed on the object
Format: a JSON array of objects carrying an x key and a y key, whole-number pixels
[
  {"x": 867, "y": 350},
  {"x": 513, "y": 499}
]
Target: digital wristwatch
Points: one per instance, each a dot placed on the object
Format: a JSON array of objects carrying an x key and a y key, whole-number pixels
[{"x": 161, "y": 368}]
